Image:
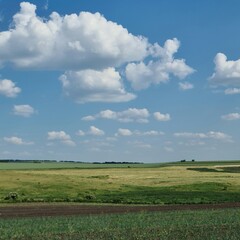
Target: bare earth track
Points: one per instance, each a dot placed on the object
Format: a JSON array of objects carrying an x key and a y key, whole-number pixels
[{"x": 41, "y": 210}]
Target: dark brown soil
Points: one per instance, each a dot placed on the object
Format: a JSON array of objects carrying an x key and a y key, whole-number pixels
[{"x": 39, "y": 210}]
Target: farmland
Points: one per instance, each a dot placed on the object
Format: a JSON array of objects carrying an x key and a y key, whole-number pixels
[
  {"x": 211, "y": 224},
  {"x": 187, "y": 200},
  {"x": 174, "y": 183}
]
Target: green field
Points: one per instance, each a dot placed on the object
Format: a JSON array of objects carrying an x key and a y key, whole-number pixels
[
  {"x": 168, "y": 183},
  {"x": 172, "y": 183},
  {"x": 65, "y": 165},
  {"x": 187, "y": 225},
  {"x": 76, "y": 165}
]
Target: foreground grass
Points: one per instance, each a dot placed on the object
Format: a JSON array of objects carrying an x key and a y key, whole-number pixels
[
  {"x": 205, "y": 224},
  {"x": 171, "y": 184}
]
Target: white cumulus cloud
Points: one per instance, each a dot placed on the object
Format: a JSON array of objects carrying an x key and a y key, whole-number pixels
[
  {"x": 190, "y": 135},
  {"x": 162, "y": 117},
  {"x": 149, "y": 133},
  {"x": 130, "y": 115},
  {"x": 142, "y": 75},
  {"x": 124, "y": 132},
  {"x": 17, "y": 141},
  {"x": 107, "y": 114},
  {"x": 185, "y": 86},
  {"x": 8, "y": 88},
  {"x": 75, "y": 41},
  {"x": 96, "y": 131},
  {"x": 227, "y": 72},
  {"x": 231, "y": 116},
  {"x": 88, "y": 118},
  {"x": 88, "y": 48},
  {"x": 23, "y": 110},
  {"x": 80, "y": 133},
  {"x": 127, "y": 132},
  {"x": 95, "y": 86},
  {"x": 62, "y": 137},
  {"x": 209, "y": 135},
  {"x": 232, "y": 91}
]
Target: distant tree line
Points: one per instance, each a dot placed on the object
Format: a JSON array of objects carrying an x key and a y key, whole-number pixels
[
  {"x": 26, "y": 161},
  {"x": 113, "y": 162},
  {"x": 184, "y": 160},
  {"x": 63, "y": 161}
]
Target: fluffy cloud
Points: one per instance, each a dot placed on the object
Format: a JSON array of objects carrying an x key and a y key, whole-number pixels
[
  {"x": 17, "y": 141},
  {"x": 88, "y": 118},
  {"x": 161, "y": 117},
  {"x": 62, "y": 137},
  {"x": 127, "y": 132},
  {"x": 84, "y": 41},
  {"x": 107, "y": 114},
  {"x": 142, "y": 75},
  {"x": 190, "y": 135},
  {"x": 23, "y": 110},
  {"x": 219, "y": 136},
  {"x": 232, "y": 91},
  {"x": 95, "y": 86},
  {"x": 193, "y": 143},
  {"x": 96, "y": 131},
  {"x": 209, "y": 135},
  {"x": 8, "y": 88},
  {"x": 129, "y": 115},
  {"x": 139, "y": 115},
  {"x": 80, "y": 133},
  {"x": 231, "y": 116},
  {"x": 149, "y": 133},
  {"x": 88, "y": 48},
  {"x": 227, "y": 73},
  {"x": 124, "y": 132},
  {"x": 185, "y": 86}
]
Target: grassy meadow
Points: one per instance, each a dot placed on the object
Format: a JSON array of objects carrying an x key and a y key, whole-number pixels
[
  {"x": 210, "y": 224},
  {"x": 173, "y": 183}
]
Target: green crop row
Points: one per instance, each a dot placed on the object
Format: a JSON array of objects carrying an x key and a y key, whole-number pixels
[{"x": 204, "y": 224}]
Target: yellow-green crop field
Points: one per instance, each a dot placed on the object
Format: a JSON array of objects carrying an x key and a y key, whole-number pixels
[{"x": 157, "y": 184}]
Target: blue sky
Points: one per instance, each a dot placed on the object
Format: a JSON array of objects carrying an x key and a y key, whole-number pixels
[{"x": 147, "y": 81}]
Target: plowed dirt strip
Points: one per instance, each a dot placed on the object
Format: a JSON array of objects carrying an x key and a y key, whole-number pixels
[{"x": 68, "y": 210}]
